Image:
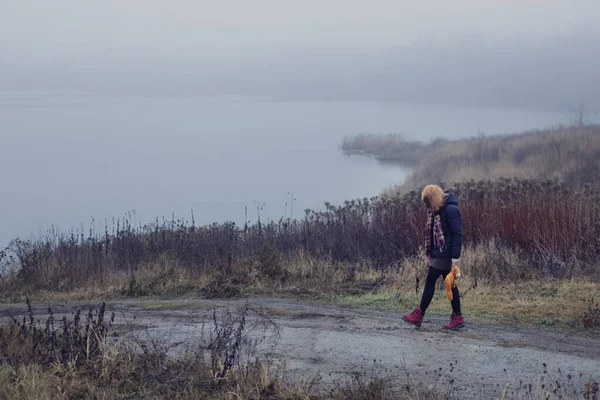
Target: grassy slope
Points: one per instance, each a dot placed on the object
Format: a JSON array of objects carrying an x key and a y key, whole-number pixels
[
  {"x": 555, "y": 304},
  {"x": 570, "y": 154},
  {"x": 558, "y": 305}
]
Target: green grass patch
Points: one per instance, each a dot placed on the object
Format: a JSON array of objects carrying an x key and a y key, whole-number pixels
[
  {"x": 369, "y": 301},
  {"x": 400, "y": 302}
]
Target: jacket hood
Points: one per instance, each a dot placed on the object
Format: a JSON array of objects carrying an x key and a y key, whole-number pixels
[{"x": 450, "y": 199}]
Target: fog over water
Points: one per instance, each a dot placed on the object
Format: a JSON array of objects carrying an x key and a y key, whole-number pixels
[{"x": 167, "y": 106}]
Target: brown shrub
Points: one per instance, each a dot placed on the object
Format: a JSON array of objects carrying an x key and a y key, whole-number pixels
[
  {"x": 591, "y": 316},
  {"x": 529, "y": 227}
]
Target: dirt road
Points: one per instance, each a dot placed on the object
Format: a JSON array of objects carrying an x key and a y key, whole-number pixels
[{"x": 332, "y": 342}]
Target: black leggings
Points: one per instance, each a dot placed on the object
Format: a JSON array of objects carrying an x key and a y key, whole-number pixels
[{"x": 432, "y": 276}]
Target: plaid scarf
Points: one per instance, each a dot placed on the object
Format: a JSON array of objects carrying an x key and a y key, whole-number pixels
[{"x": 434, "y": 229}]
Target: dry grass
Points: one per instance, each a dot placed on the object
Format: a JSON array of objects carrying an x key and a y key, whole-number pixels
[
  {"x": 561, "y": 303},
  {"x": 300, "y": 277},
  {"x": 565, "y": 304},
  {"x": 526, "y": 235},
  {"x": 566, "y": 312},
  {"x": 570, "y": 154},
  {"x": 81, "y": 359}
]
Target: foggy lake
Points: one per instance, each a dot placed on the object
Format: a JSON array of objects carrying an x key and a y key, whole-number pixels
[{"x": 66, "y": 159}]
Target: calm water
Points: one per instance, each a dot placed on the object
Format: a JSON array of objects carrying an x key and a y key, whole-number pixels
[{"x": 65, "y": 159}]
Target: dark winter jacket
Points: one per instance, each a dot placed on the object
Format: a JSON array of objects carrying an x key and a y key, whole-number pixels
[{"x": 452, "y": 226}]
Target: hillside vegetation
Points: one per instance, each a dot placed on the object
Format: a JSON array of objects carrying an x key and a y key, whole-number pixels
[
  {"x": 569, "y": 154},
  {"x": 528, "y": 228}
]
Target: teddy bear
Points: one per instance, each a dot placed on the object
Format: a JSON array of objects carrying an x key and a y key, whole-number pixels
[{"x": 450, "y": 281}]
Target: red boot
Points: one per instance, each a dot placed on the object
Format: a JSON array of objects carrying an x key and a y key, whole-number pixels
[
  {"x": 415, "y": 317},
  {"x": 455, "y": 322}
]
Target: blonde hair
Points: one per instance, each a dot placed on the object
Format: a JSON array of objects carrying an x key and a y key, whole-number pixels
[{"x": 434, "y": 197}]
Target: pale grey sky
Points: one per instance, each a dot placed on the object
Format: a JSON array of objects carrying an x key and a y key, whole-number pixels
[
  {"x": 221, "y": 45},
  {"x": 37, "y": 28}
]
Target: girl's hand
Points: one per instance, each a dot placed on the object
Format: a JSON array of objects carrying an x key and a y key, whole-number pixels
[{"x": 455, "y": 261}]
